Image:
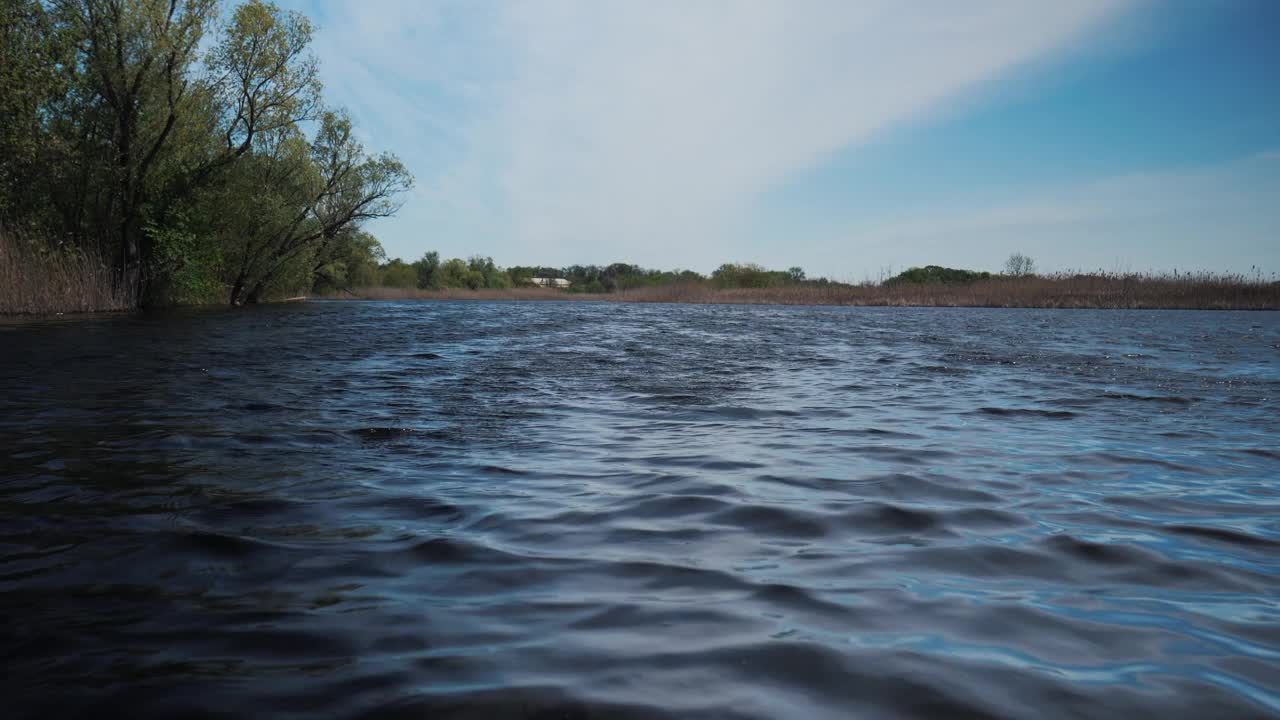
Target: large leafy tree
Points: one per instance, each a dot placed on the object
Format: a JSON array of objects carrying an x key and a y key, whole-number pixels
[
  {"x": 187, "y": 161},
  {"x": 138, "y": 54},
  {"x": 263, "y": 80},
  {"x": 174, "y": 124},
  {"x": 32, "y": 55},
  {"x": 305, "y": 199}
]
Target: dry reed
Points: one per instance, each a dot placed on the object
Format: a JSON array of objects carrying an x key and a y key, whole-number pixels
[
  {"x": 36, "y": 278},
  {"x": 1204, "y": 291},
  {"x": 1076, "y": 290}
]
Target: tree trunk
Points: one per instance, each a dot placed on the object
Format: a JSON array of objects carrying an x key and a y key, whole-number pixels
[
  {"x": 130, "y": 210},
  {"x": 237, "y": 291},
  {"x": 131, "y": 259}
]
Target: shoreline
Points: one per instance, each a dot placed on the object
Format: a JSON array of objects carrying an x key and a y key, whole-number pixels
[
  {"x": 1040, "y": 293},
  {"x": 1248, "y": 297}
]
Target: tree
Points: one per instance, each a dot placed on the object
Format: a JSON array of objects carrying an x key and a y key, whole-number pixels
[
  {"x": 32, "y": 51},
  {"x": 265, "y": 79},
  {"x": 455, "y": 273},
  {"x": 749, "y": 275},
  {"x": 191, "y": 178},
  {"x": 937, "y": 275},
  {"x": 349, "y": 259},
  {"x": 1019, "y": 265},
  {"x": 311, "y": 198},
  {"x": 398, "y": 274},
  {"x": 138, "y": 53},
  {"x": 491, "y": 276},
  {"x": 165, "y": 129},
  {"x": 426, "y": 268}
]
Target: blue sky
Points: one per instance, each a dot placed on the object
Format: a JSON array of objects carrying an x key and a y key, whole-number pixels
[{"x": 852, "y": 139}]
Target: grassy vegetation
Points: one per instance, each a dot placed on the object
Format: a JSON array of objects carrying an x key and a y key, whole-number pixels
[
  {"x": 35, "y": 278},
  {"x": 1064, "y": 290}
]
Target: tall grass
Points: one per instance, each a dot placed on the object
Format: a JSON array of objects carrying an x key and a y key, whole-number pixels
[
  {"x": 1065, "y": 290},
  {"x": 1206, "y": 291},
  {"x": 37, "y": 278}
]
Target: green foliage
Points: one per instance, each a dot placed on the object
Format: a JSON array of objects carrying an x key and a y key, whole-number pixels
[
  {"x": 349, "y": 259},
  {"x": 455, "y": 273},
  {"x": 937, "y": 275},
  {"x": 490, "y": 276},
  {"x": 616, "y": 277},
  {"x": 480, "y": 272},
  {"x": 194, "y": 179},
  {"x": 749, "y": 275},
  {"x": 189, "y": 270},
  {"x": 266, "y": 79},
  {"x": 33, "y": 53},
  {"x": 426, "y": 268},
  {"x": 399, "y": 274},
  {"x": 305, "y": 196}
]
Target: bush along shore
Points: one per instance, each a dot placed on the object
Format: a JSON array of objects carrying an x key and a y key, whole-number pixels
[
  {"x": 913, "y": 288},
  {"x": 37, "y": 279}
]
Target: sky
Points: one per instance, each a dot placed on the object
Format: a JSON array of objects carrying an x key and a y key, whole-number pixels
[{"x": 853, "y": 139}]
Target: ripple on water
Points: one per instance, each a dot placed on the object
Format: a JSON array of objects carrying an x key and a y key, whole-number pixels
[{"x": 583, "y": 510}]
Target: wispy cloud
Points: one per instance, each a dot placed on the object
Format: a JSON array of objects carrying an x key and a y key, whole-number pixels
[
  {"x": 646, "y": 128},
  {"x": 1177, "y": 219},
  {"x": 581, "y": 130}
]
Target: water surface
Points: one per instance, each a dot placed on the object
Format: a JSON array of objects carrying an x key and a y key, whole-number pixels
[{"x": 592, "y": 510}]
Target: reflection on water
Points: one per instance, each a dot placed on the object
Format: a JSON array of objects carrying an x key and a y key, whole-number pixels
[{"x": 596, "y": 510}]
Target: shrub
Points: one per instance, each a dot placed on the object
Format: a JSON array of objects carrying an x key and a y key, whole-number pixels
[{"x": 937, "y": 275}]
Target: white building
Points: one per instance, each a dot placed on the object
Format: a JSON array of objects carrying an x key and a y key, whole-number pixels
[{"x": 550, "y": 282}]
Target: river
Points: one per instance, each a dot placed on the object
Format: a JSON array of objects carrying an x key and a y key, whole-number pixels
[{"x": 594, "y": 510}]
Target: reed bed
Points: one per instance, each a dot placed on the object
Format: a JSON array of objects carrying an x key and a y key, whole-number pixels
[
  {"x": 1204, "y": 291},
  {"x": 1077, "y": 290},
  {"x": 38, "y": 279}
]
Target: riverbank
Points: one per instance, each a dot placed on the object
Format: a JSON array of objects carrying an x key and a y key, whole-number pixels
[
  {"x": 1099, "y": 291},
  {"x": 36, "y": 278},
  {"x": 39, "y": 279}
]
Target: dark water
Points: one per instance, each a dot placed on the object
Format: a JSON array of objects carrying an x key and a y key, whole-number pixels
[{"x": 590, "y": 510}]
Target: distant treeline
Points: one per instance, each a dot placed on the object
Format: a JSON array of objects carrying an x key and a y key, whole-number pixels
[
  {"x": 1017, "y": 285},
  {"x": 1098, "y": 289},
  {"x": 170, "y": 154},
  {"x": 480, "y": 273}
]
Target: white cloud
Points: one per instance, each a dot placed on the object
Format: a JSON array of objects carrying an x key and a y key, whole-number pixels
[
  {"x": 592, "y": 130},
  {"x": 647, "y": 128}
]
